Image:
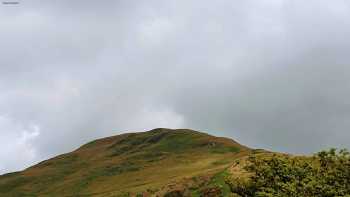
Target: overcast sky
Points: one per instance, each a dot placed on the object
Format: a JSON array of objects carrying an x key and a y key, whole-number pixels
[{"x": 271, "y": 74}]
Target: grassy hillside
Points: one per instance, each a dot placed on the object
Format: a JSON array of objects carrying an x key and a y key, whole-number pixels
[{"x": 158, "y": 162}]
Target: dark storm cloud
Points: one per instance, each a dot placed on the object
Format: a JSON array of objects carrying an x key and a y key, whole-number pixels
[{"x": 271, "y": 74}]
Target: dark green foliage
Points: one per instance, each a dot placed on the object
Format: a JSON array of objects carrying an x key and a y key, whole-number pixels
[
  {"x": 216, "y": 186},
  {"x": 327, "y": 174},
  {"x": 163, "y": 141},
  {"x": 218, "y": 181},
  {"x": 157, "y": 140},
  {"x": 175, "y": 142}
]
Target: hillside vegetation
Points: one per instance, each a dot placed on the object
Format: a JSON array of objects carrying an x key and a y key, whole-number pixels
[
  {"x": 181, "y": 162},
  {"x": 153, "y": 162},
  {"x": 326, "y": 174}
]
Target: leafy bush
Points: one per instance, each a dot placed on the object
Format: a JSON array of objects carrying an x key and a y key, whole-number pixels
[{"x": 326, "y": 174}]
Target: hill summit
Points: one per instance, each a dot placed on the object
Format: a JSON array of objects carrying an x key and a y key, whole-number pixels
[{"x": 145, "y": 163}]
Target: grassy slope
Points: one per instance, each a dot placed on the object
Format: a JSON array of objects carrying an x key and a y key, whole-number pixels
[{"x": 135, "y": 162}]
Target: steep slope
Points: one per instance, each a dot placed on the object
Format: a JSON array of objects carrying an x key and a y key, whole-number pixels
[{"x": 145, "y": 162}]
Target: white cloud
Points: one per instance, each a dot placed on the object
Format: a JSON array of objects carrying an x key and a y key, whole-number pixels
[
  {"x": 17, "y": 149},
  {"x": 151, "y": 118},
  {"x": 156, "y": 30}
]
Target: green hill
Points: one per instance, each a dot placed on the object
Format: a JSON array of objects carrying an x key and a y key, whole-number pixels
[{"x": 160, "y": 162}]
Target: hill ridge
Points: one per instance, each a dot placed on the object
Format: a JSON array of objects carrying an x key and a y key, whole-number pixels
[{"x": 113, "y": 163}]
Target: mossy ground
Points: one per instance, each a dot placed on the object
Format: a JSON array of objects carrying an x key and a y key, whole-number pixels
[{"x": 128, "y": 163}]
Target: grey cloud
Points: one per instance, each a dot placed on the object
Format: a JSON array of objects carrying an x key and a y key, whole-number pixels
[{"x": 271, "y": 74}]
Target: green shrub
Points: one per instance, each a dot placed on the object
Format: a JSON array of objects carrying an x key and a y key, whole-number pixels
[{"x": 326, "y": 174}]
